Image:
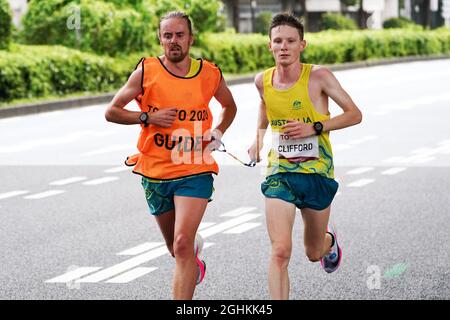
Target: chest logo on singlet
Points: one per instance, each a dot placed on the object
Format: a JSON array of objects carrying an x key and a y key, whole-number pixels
[{"x": 297, "y": 105}]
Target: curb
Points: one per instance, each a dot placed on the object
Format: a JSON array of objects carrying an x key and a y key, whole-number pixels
[{"x": 71, "y": 103}]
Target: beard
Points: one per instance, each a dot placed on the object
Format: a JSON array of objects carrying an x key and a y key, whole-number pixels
[{"x": 175, "y": 54}]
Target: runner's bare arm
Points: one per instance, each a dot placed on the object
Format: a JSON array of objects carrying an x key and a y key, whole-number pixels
[
  {"x": 262, "y": 123},
  {"x": 116, "y": 111},
  {"x": 332, "y": 88},
  {"x": 225, "y": 98}
]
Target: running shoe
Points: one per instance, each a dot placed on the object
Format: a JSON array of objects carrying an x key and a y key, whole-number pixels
[
  {"x": 332, "y": 260},
  {"x": 201, "y": 265}
]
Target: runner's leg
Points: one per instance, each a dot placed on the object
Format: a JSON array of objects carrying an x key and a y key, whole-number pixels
[
  {"x": 317, "y": 240},
  {"x": 189, "y": 213},
  {"x": 166, "y": 223},
  {"x": 280, "y": 217}
]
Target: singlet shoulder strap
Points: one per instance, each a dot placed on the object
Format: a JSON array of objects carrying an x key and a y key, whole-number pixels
[
  {"x": 306, "y": 71},
  {"x": 267, "y": 77}
]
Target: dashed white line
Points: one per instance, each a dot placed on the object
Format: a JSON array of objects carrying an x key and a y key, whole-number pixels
[
  {"x": 360, "y": 183},
  {"x": 140, "y": 248},
  {"x": 11, "y": 194},
  {"x": 73, "y": 275},
  {"x": 131, "y": 275},
  {"x": 393, "y": 171},
  {"x": 339, "y": 147},
  {"x": 100, "y": 181},
  {"x": 228, "y": 224},
  {"x": 243, "y": 227},
  {"x": 118, "y": 169},
  {"x": 125, "y": 265},
  {"x": 360, "y": 170},
  {"x": 67, "y": 181},
  {"x": 238, "y": 211},
  {"x": 44, "y": 194},
  {"x": 109, "y": 149},
  {"x": 204, "y": 225}
]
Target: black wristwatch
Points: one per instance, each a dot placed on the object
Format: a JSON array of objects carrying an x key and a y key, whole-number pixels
[
  {"x": 318, "y": 127},
  {"x": 143, "y": 117}
]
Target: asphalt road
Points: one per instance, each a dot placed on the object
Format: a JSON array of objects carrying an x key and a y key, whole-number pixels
[{"x": 75, "y": 222}]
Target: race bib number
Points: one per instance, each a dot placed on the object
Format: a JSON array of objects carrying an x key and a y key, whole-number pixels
[{"x": 302, "y": 149}]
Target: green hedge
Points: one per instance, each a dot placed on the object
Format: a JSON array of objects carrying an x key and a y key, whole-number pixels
[
  {"x": 88, "y": 25},
  {"x": 400, "y": 22},
  {"x": 336, "y": 21},
  {"x": 238, "y": 53},
  {"x": 5, "y": 24},
  {"x": 35, "y": 71}
]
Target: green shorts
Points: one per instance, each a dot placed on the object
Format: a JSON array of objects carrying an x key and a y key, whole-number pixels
[
  {"x": 160, "y": 194},
  {"x": 305, "y": 190}
]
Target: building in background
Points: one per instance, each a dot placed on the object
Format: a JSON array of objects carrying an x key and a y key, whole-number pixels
[{"x": 241, "y": 13}]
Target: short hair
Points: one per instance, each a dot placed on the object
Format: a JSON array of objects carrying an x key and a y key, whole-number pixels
[
  {"x": 286, "y": 19},
  {"x": 176, "y": 14}
]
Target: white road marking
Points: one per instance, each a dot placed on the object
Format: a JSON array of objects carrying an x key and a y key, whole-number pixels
[
  {"x": 100, "y": 181},
  {"x": 204, "y": 225},
  {"x": 338, "y": 193},
  {"x": 109, "y": 149},
  {"x": 238, "y": 211},
  {"x": 338, "y": 147},
  {"x": 131, "y": 275},
  {"x": 363, "y": 139},
  {"x": 73, "y": 275},
  {"x": 67, "y": 139},
  {"x": 125, "y": 265},
  {"x": 11, "y": 194},
  {"x": 393, "y": 171},
  {"x": 360, "y": 183},
  {"x": 360, "y": 170},
  {"x": 118, "y": 169},
  {"x": 67, "y": 181},
  {"x": 44, "y": 194},
  {"x": 394, "y": 159},
  {"x": 228, "y": 224},
  {"x": 140, "y": 248},
  {"x": 243, "y": 227},
  {"x": 160, "y": 251}
]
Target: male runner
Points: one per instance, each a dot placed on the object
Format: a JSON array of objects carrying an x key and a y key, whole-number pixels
[
  {"x": 294, "y": 100},
  {"x": 173, "y": 92}
]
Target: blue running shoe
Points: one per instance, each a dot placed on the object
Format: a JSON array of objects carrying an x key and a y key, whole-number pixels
[{"x": 332, "y": 260}]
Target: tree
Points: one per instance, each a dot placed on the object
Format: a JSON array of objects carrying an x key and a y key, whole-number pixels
[{"x": 5, "y": 24}]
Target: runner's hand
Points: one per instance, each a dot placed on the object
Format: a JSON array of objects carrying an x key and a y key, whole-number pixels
[
  {"x": 215, "y": 137},
  {"x": 296, "y": 130},
  {"x": 254, "y": 151},
  {"x": 163, "y": 118}
]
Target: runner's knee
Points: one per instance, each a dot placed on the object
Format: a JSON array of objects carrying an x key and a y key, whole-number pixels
[
  {"x": 281, "y": 253},
  {"x": 183, "y": 246}
]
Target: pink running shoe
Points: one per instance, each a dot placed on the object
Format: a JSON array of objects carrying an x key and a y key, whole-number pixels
[{"x": 201, "y": 265}]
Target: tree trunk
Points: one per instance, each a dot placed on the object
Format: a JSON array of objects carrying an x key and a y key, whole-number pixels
[{"x": 304, "y": 14}]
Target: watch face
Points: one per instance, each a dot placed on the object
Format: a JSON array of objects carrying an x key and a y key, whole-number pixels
[
  {"x": 143, "y": 117},
  {"x": 318, "y": 126}
]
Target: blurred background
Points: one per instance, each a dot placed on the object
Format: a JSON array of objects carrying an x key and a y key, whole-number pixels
[{"x": 57, "y": 48}]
